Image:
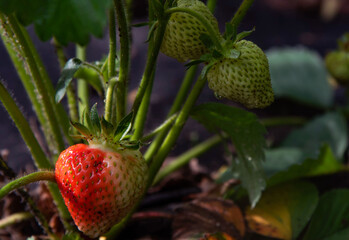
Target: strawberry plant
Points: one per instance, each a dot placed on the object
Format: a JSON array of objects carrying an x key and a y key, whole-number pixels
[{"x": 101, "y": 163}]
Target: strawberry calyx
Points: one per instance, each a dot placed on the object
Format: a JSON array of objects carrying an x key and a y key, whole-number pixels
[{"x": 99, "y": 132}]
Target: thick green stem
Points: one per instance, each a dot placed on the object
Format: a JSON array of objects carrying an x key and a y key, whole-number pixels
[
  {"x": 82, "y": 86},
  {"x": 153, "y": 52},
  {"x": 23, "y": 126},
  {"x": 48, "y": 107},
  {"x": 21, "y": 182},
  {"x": 180, "y": 98},
  {"x": 125, "y": 40},
  {"x": 109, "y": 99},
  {"x": 108, "y": 112},
  {"x": 214, "y": 34},
  {"x": 175, "y": 131},
  {"x": 185, "y": 158},
  {"x": 15, "y": 218},
  {"x": 143, "y": 110},
  {"x": 241, "y": 12}
]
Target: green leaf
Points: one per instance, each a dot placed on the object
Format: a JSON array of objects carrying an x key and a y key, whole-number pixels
[
  {"x": 326, "y": 163},
  {"x": 280, "y": 159},
  {"x": 246, "y": 133},
  {"x": 123, "y": 127},
  {"x": 66, "y": 20},
  {"x": 66, "y": 77},
  {"x": 300, "y": 74},
  {"x": 330, "y": 128},
  {"x": 95, "y": 121},
  {"x": 285, "y": 208},
  {"x": 331, "y": 217},
  {"x": 107, "y": 127}
]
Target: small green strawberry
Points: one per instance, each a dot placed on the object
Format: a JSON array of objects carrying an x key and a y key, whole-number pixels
[
  {"x": 244, "y": 79},
  {"x": 337, "y": 62},
  {"x": 100, "y": 182},
  {"x": 183, "y": 31}
]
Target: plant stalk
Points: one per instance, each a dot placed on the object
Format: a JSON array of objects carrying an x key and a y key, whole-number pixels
[
  {"x": 83, "y": 88},
  {"x": 241, "y": 12},
  {"x": 15, "y": 218},
  {"x": 125, "y": 40},
  {"x": 30, "y": 178}
]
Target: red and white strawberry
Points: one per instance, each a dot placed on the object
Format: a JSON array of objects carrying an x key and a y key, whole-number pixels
[{"x": 100, "y": 182}]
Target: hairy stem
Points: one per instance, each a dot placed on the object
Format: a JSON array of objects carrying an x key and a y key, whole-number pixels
[
  {"x": 109, "y": 99},
  {"x": 185, "y": 158},
  {"x": 125, "y": 40},
  {"x": 82, "y": 86},
  {"x": 241, "y": 12},
  {"x": 30, "y": 178}
]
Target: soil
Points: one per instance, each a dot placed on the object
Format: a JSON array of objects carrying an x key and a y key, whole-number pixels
[{"x": 278, "y": 24}]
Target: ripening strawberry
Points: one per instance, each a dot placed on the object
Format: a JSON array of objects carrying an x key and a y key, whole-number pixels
[
  {"x": 245, "y": 79},
  {"x": 100, "y": 185},
  {"x": 182, "y": 35}
]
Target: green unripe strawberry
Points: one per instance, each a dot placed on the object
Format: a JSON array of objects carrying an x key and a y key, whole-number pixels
[
  {"x": 182, "y": 35},
  {"x": 245, "y": 79},
  {"x": 337, "y": 63}
]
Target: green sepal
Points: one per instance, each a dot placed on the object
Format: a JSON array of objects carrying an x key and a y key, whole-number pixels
[
  {"x": 244, "y": 34},
  {"x": 133, "y": 145},
  {"x": 158, "y": 8},
  {"x": 95, "y": 121},
  {"x": 193, "y": 63},
  {"x": 205, "y": 69},
  {"x": 82, "y": 129},
  {"x": 206, "y": 40},
  {"x": 233, "y": 54},
  {"x": 66, "y": 77},
  {"x": 86, "y": 121},
  {"x": 123, "y": 127},
  {"x": 142, "y": 24},
  {"x": 216, "y": 54},
  {"x": 107, "y": 127},
  {"x": 151, "y": 30}
]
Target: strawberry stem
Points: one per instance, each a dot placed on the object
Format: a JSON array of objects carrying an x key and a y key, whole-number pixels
[
  {"x": 83, "y": 94},
  {"x": 241, "y": 12},
  {"x": 15, "y": 218},
  {"x": 125, "y": 40},
  {"x": 30, "y": 178},
  {"x": 210, "y": 29}
]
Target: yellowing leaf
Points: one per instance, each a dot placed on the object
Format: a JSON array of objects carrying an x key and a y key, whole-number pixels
[{"x": 284, "y": 210}]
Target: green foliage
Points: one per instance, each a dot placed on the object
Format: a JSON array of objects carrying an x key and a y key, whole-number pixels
[
  {"x": 247, "y": 134},
  {"x": 328, "y": 129},
  {"x": 330, "y": 220},
  {"x": 65, "y": 20},
  {"x": 300, "y": 74},
  {"x": 326, "y": 163}
]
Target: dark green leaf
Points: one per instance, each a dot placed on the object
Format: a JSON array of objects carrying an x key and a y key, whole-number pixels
[
  {"x": 95, "y": 121},
  {"x": 66, "y": 77},
  {"x": 300, "y": 74},
  {"x": 206, "y": 40},
  {"x": 330, "y": 128},
  {"x": 244, "y": 34},
  {"x": 123, "y": 127},
  {"x": 246, "y": 132},
  {"x": 66, "y": 20},
  {"x": 280, "y": 159},
  {"x": 326, "y": 163},
  {"x": 331, "y": 217},
  {"x": 82, "y": 129},
  {"x": 151, "y": 30}
]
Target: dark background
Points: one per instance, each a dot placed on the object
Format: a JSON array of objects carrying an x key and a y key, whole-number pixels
[{"x": 278, "y": 23}]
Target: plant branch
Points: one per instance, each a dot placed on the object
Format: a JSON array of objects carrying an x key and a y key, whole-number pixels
[
  {"x": 241, "y": 12},
  {"x": 30, "y": 178},
  {"x": 125, "y": 40},
  {"x": 172, "y": 136},
  {"x": 109, "y": 99},
  {"x": 83, "y": 88},
  {"x": 185, "y": 158},
  {"x": 15, "y": 218}
]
